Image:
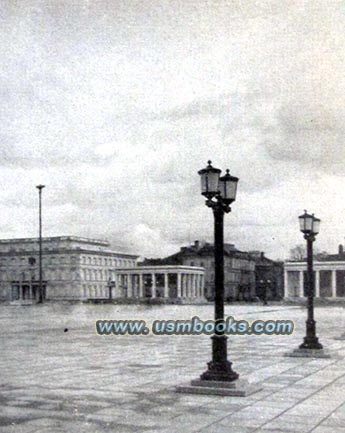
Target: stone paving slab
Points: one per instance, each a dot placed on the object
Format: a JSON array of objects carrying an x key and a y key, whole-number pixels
[{"x": 76, "y": 381}]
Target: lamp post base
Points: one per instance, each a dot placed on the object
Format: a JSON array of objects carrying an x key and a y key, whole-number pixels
[
  {"x": 308, "y": 353},
  {"x": 219, "y": 371},
  {"x": 311, "y": 343},
  {"x": 240, "y": 388}
]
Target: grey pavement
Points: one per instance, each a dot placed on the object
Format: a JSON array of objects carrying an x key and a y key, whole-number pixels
[{"x": 77, "y": 381}]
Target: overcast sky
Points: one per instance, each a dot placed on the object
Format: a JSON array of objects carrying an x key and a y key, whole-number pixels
[{"x": 115, "y": 105}]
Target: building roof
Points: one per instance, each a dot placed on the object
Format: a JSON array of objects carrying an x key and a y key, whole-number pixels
[
  {"x": 330, "y": 257},
  {"x": 322, "y": 258},
  {"x": 201, "y": 250},
  {"x": 100, "y": 242},
  {"x": 54, "y": 244},
  {"x": 262, "y": 260}
]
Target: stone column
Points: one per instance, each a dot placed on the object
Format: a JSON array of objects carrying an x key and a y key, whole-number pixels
[
  {"x": 179, "y": 285},
  {"x": 20, "y": 290},
  {"x": 129, "y": 286},
  {"x": 301, "y": 284},
  {"x": 194, "y": 286},
  {"x": 118, "y": 284},
  {"x": 141, "y": 286},
  {"x": 286, "y": 284},
  {"x": 189, "y": 285},
  {"x": 153, "y": 286},
  {"x": 334, "y": 284},
  {"x": 183, "y": 289},
  {"x": 119, "y": 276},
  {"x": 30, "y": 289},
  {"x": 166, "y": 285},
  {"x": 134, "y": 288},
  {"x": 317, "y": 284}
]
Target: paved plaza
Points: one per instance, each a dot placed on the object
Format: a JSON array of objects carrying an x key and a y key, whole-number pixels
[{"x": 58, "y": 375}]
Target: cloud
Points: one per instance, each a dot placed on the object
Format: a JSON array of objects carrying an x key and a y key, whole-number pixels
[
  {"x": 116, "y": 106},
  {"x": 308, "y": 134}
]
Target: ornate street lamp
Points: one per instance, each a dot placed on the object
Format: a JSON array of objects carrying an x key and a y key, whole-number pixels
[
  {"x": 220, "y": 192},
  {"x": 310, "y": 227},
  {"x": 219, "y": 378},
  {"x": 265, "y": 285}
]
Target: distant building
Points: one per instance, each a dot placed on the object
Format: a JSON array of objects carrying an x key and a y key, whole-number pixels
[
  {"x": 269, "y": 276},
  {"x": 239, "y": 268},
  {"x": 73, "y": 268},
  {"x": 329, "y": 276}
]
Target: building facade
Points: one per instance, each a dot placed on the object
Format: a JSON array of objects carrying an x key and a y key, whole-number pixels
[
  {"x": 269, "y": 277},
  {"x": 239, "y": 268},
  {"x": 73, "y": 268},
  {"x": 329, "y": 276}
]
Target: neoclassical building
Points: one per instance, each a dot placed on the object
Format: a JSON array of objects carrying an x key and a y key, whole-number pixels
[
  {"x": 76, "y": 268},
  {"x": 329, "y": 276},
  {"x": 73, "y": 268}
]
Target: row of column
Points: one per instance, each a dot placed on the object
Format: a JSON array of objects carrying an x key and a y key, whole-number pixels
[
  {"x": 317, "y": 283},
  {"x": 188, "y": 285},
  {"x": 28, "y": 291}
]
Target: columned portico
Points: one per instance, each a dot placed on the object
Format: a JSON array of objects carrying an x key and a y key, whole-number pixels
[
  {"x": 167, "y": 282},
  {"x": 25, "y": 291},
  {"x": 329, "y": 279}
]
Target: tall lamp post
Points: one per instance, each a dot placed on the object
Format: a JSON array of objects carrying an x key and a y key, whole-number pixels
[
  {"x": 40, "y": 290},
  {"x": 310, "y": 227},
  {"x": 220, "y": 192},
  {"x": 111, "y": 286},
  {"x": 219, "y": 378}
]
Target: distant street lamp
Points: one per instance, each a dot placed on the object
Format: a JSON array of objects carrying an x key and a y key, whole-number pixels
[
  {"x": 111, "y": 285},
  {"x": 40, "y": 289},
  {"x": 220, "y": 192},
  {"x": 310, "y": 227},
  {"x": 265, "y": 285}
]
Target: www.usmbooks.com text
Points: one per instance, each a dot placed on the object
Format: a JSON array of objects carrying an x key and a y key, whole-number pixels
[{"x": 195, "y": 326}]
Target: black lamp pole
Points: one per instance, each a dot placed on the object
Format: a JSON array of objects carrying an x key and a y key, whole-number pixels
[
  {"x": 309, "y": 226},
  {"x": 220, "y": 192},
  {"x": 40, "y": 290}
]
